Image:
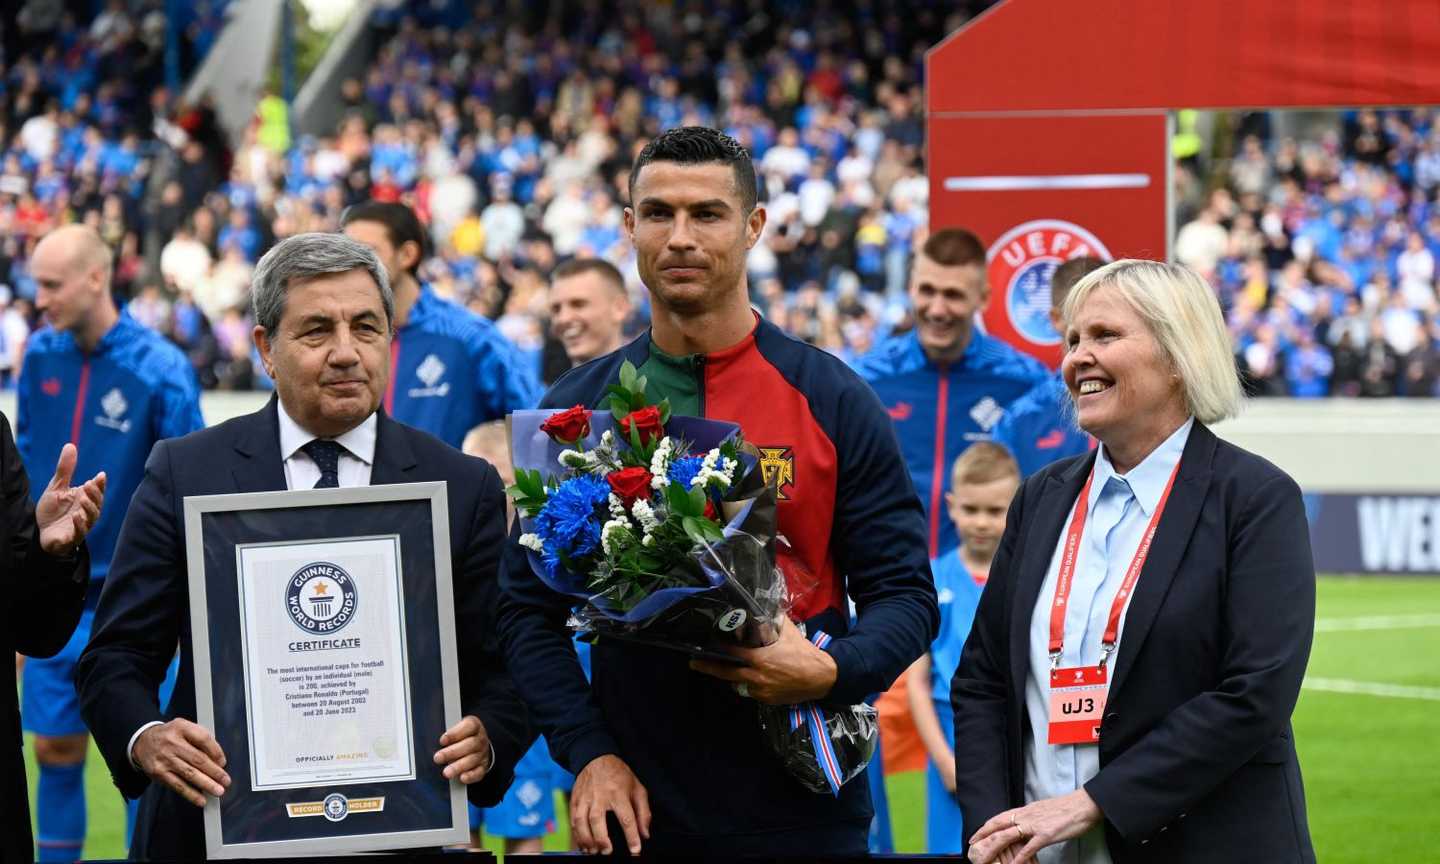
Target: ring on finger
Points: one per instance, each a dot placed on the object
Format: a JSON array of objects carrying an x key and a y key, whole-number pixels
[{"x": 743, "y": 689}]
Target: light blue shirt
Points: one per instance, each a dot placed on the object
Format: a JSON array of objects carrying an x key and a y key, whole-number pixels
[{"x": 1120, "y": 510}]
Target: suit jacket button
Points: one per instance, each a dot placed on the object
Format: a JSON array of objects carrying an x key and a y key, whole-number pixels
[
  {"x": 1182, "y": 815},
  {"x": 1162, "y": 828},
  {"x": 1144, "y": 842}
]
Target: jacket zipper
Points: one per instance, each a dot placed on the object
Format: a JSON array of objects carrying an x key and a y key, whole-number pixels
[{"x": 78, "y": 420}]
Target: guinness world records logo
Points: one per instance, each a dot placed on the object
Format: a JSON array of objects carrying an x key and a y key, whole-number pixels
[
  {"x": 1020, "y": 266},
  {"x": 321, "y": 598}
]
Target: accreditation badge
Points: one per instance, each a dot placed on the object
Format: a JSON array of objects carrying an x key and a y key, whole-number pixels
[{"x": 1077, "y": 703}]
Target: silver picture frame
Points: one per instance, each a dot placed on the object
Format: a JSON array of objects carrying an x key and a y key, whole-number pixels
[{"x": 327, "y": 507}]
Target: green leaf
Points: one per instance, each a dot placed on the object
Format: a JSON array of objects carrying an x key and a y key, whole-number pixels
[
  {"x": 635, "y": 436},
  {"x": 627, "y": 375},
  {"x": 617, "y": 390},
  {"x": 664, "y": 407},
  {"x": 637, "y": 401},
  {"x": 697, "y": 501},
  {"x": 619, "y": 407},
  {"x": 696, "y": 529},
  {"x": 680, "y": 502},
  {"x": 640, "y": 384}
]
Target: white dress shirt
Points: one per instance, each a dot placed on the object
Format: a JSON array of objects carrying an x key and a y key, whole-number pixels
[
  {"x": 301, "y": 472},
  {"x": 1120, "y": 509}
]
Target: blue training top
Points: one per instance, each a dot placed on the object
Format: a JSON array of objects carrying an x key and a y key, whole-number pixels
[
  {"x": 1038, "y": 429},
  {"x": 451, "y": 370},
  {"x": 959, "y": 595},
  {"x": 939, "y": 412},
  {"x": 114, "y": 403}
]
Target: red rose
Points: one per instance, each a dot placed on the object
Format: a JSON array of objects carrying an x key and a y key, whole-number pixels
[
  {"x": 630, "y": 484},
  {"x": 709, "y": 508},
  {"x": 646, "y": 421},
  {"x": 568, "y": 426}
]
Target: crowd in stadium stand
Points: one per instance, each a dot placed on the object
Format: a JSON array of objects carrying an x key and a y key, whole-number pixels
[
  {"x": 512, "y": 138},
  {"x": 1323, "y": 252}
]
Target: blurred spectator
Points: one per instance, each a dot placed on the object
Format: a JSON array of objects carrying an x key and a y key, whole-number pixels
[{"x": 1323, "y": 254}]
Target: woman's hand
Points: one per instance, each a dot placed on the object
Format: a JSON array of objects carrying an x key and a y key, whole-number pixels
[{"x": 1026, "y": 830}]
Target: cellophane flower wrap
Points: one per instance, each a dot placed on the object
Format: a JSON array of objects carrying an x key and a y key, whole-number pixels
[{"x": 663, "y": 531}]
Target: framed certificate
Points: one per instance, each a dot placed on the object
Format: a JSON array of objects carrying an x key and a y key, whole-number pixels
[{"x": 323, "y": 625}]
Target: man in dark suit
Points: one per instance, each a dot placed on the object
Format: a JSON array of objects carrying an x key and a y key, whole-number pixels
[
  {"x": 44, "y": 571},
  {"x": 324, "y": 320}
]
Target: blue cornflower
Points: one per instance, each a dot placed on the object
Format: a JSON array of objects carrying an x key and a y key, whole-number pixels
[
  {"x": 682, "y": 471},
  {"x": 569, "y": 522}
]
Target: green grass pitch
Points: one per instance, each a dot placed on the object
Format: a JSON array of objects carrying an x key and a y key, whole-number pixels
[{"x": 1371, "y": 763}]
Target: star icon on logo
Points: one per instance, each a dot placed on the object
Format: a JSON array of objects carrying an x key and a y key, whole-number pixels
[{"x": 321, "y": 589}]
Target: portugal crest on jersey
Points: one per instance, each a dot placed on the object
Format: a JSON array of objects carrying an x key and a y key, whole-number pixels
[{"x": 777, "y": 466}]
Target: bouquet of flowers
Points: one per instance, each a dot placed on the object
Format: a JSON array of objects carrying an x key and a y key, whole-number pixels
[{"x": 663, "y": 530}]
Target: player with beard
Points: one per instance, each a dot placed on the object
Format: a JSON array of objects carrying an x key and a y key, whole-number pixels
[{"x": 672, "y": 748}]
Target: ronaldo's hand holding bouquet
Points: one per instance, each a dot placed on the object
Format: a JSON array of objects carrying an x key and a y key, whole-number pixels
[{"x": 663, "y": 530}]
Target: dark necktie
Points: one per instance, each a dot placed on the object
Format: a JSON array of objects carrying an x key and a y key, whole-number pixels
[{"x": 326, "y": 455}]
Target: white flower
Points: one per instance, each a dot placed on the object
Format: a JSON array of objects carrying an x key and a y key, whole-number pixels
[
  {"x": 645, "y": 515},
  {"x": 615, "y": 531},
  {"x": 532, "y": 541},
  {"x": 660, "y": 462},
  {"x": 648, "y": 541},
  {"x": 607, "y": 439},
  {"x": 708, "y": 471},
  {"x": 617, "y": 507}
]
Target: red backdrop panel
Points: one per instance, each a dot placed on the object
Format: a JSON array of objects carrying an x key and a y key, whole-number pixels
[
  {"x": 1050, "y": 188},
  {"x": 1045, "y": 55}
]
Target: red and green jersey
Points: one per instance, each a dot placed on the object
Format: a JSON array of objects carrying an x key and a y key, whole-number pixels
[{"x": 857, "y": 532}]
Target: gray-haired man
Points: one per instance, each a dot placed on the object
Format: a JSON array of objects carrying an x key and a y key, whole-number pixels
[{"x": 323, "y": 312}]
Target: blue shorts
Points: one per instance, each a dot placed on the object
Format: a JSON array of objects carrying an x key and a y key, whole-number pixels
[
  {"x": 49, "y": 705},
  {"x": 528, "y": 808},
  {"x": 943, "y": 825}
]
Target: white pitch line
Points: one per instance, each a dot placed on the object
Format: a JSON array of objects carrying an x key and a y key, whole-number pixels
[
  {"x": 1376, "y": 622},
  {"x": 1371, "y": 688}
]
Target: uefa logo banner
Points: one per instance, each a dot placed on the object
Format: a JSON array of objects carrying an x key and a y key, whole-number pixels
[{"x": 1020, "y": 265}]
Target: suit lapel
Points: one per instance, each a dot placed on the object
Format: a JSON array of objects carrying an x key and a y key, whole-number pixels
[
  {"x": 1171, "y": 539},
  {"x": 393, "y": 457},
  {"x": 1051, "y": 510},
  {"x": 261, "y": 469}
]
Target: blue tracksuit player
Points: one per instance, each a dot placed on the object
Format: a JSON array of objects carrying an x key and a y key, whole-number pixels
[
  {"x": 99, "y": 379},
  {"x": 944, "y": 384},
  {"x": 450, "y": 369}
]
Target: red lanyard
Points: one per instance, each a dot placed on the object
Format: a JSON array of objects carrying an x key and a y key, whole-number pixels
[{"x": 1067, "y": 571}]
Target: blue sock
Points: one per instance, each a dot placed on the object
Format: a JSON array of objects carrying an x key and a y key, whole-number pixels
[{"x": 60, "y": 812}]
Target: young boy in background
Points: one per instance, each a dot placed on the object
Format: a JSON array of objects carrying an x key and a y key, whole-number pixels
[{"x": 982, "y": 482}]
